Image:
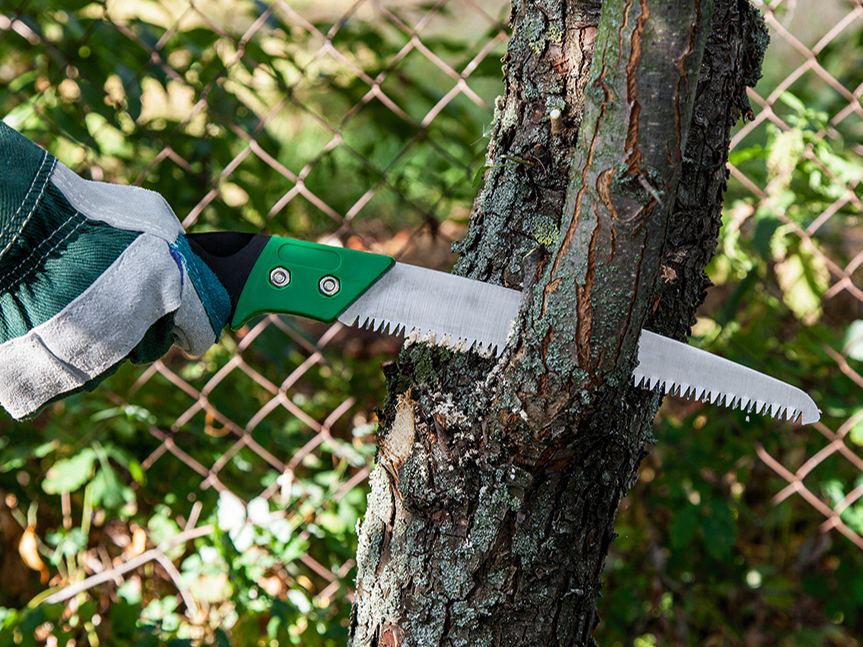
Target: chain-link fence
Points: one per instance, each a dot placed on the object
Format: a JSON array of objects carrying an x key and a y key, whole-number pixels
[
  {"x": 359, "y": 124},
  {"x": 351, "y": 123},
  {"x": 828, "y": 232}
]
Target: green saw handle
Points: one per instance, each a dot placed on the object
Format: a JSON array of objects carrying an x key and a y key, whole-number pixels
[{"x": 307, "y": 279}]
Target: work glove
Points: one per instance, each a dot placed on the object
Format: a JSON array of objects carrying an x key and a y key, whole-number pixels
[{"x": 91, "y": 274}]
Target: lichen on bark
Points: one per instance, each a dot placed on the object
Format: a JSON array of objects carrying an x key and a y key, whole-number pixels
[
  {"x": 493, "y": 525},
  {"x": 524, "y": 187}
]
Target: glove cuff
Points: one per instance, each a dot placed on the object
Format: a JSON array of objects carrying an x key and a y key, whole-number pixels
[{"x": 206, "y": 306}]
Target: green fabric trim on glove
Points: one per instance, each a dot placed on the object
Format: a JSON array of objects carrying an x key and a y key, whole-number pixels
[
  {"x": 56, "y": 257},
  {"x": 24, "y": 173},
  {"x": 214, "y": 296}
]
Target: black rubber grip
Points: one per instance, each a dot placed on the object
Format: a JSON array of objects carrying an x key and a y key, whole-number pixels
[{"x": 231, "y": 255}]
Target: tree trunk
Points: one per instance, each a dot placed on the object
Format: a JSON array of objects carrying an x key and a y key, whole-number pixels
[{"x": 497, "y": 484}]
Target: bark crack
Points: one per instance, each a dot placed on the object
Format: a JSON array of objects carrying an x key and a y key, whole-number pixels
[{"x": 633, "y": 160}]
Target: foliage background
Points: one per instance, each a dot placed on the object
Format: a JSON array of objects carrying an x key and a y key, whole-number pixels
[{"x": 217, "y": 499}]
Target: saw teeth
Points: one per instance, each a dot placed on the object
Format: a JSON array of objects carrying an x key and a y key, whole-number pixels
[
  {"x": 743, "y": 403},
  {"x": 446, "y": 340}
]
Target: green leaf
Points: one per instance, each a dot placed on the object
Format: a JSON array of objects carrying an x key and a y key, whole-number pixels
[
  {"x": 68, "y": 543},
  {"x": 856, "y": 432},
  {"x": 853, "y": 517},
  {"x": 741, "y": 292},
  {"x": 332, "y": 523},
  {"x": 479, "y": 176},
  {"x": 108, "y": 490},
  {"x": 162, "y": 527},
  {"x": 804, "y": 278},
  {"x": 44, "y": 449},
  {"x": 738, "y": 156},
  {"x": 281, "y": 529},
  {"x": 259, "y": 512},
  {"x": 787, "y": 149},
  {"x": 243, "y": 537},
  {"x": 295, "y": 549},
  {"x": 854, "y": 341},
  {"x": 69, "y": 474},
  {"x": 765, "y": 229},
  {"x": 231, "y": 513},
  {"x": 129, "y": 592},
  {"x": 792, "y": 102},
  {"x": 300, "y": 601},
  {"x": 833, "y": 490},
  {"x": 125, "y": 459}
]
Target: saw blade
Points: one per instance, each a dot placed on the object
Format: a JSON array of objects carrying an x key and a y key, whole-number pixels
[
  {"x": 683, "y": 370},
  {"x": 459, "y": 312},
  {"x": 453, "y": 310}
]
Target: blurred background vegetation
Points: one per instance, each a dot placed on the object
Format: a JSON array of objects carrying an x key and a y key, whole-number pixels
[{"x": 215, "y": 501}]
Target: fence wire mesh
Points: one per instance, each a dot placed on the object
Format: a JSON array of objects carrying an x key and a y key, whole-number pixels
[
  {"x": 842, "y": 296},
  {"x": 358, "y": 124}
]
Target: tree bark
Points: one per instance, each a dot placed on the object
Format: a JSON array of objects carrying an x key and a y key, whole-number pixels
[{"x": 497, "y": 483}]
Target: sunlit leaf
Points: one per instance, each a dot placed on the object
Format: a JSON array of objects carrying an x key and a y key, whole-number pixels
[
  {"x": 853, "y": 346},
  {"x": 787, "y": 148},
  {"x": 259, "y": 511},
  {"x": 69, "y": 474},
  {"x": 243, "y": 536},
  {"x": 281, "y": 529},
  {"x": 833, "y": 490},
  {"x": 231, "y": 512},
  {"x": 299, "y": 600},
  {"x": 855, "y": 434},
  {"x": 804, "y": 278}
]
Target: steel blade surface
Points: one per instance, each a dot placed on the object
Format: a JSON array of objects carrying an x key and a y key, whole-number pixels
[
  {"x": 693, "y": 373},
  {"x": 456, "y": 310}
]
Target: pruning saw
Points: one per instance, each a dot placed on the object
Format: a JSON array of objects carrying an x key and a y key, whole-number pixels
[{"x": 274, "y": 275}]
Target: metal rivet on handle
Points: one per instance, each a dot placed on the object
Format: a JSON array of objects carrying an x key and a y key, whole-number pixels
[
  {"x": 280, "y": 277},
  {"x": 329, "y": 285}
]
